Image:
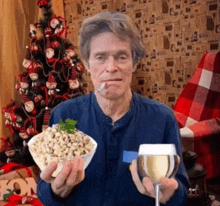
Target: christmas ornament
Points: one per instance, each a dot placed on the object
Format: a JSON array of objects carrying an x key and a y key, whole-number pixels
[
  {"x": 27, "y": 63},
  {"x": 48, "y": 32},
  {"x": 30, "y": 108},
  {"x": 38, "y": 98},
  {"x": 70, "y": 52},
  {"x": 33, "y": 74},
  {"x": 22, "y": 87},
  {"x": 23, "y": 133},
  {"x": 46, "y": 117},
  {"x": 33, "y": 32},
  {"x": 73, "y": 82},
  {"x": 42, "y": 3},
  {"x": 55, "y": 45},
  {"x": 9, "y": 151},
  {"x": 79, "y": 68},
  {"x": 52, "y": 75},
  {"x": 54, "y": 23},
  {"x": 50, "y": 52},
  {"x": 51, "y": 84}
]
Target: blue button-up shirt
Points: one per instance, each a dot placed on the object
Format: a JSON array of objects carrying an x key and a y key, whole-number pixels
[{"x": 108, "y": 181}]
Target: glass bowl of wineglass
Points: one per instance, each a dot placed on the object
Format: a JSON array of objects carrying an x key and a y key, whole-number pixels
[{"x": 156, "y": 161}]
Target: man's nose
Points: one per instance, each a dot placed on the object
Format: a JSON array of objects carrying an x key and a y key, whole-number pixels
[{"x": 111, "y": 66}]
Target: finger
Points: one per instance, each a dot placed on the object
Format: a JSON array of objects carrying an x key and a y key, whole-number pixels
[
  {"x": 167, "y": 188},
  {"x": 74, "y": 170},
  {"x": 136, "y": 178},
  {"x": 178, "y": 159},
  {"x": 168, "y": 183},
  {"x": 81, "y": 172},
  {"x": 46, "y": 175},
  {"x": 149, "y": 186},
  {"x": 60, "y": 179}
]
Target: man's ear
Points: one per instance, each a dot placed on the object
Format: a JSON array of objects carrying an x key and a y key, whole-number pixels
[{"x": 86, "y": 65}]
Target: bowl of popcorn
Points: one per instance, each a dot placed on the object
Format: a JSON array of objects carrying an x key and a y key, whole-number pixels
[{"x": 55, "y": 144}]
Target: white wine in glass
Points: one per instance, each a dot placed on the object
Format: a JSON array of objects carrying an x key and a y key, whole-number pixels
[{"x": 156, "y": 161}]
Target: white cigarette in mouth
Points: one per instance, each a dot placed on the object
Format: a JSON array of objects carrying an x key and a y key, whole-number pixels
[{"x": 101, "y": 87}]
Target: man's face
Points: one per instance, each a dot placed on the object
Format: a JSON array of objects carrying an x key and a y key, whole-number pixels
[{"x": 110, "y": 62}]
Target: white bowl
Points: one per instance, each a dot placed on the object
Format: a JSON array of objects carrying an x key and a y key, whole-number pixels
[{"x": 87, "y": 157}]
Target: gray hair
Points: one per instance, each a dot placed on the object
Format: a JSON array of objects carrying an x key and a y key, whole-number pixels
[{"x": 119, "y": 24}]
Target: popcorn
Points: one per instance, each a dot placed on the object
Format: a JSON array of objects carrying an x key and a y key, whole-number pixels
[{"x": 58, "y": 145}]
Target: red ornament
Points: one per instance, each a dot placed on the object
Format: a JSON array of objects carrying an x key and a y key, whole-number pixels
[
  {"x": 13, "y": 115},
  {"x": 79, "y": 68},
  {"x": 42, "y": 3},
  {"x": 7, "y": 109},
  {"x": 73, "y": 84},
  {"x": 34, "y": 47},
  {"x": 33, "y": 73},
  {"x": 33, "y": 32},
  {"x": 51, "y": 78},
  {"x": 26, "y": 63},
  {"x": 46, "y": 119},
  {"x": 9, "y": 149},
  {"x": 23, "y": 83},
  {"x": 48, "y": 32},
  {"x": 23, "y": 133},
  {"x": 55, "y": 44},
  {"x": 29, "y": 106},
  {"x": 49, "y": 53},
  {"x": 70, "y": 52},
  {"x": 17, "y": 86},
  {"x": 37, "y": 66},
  {"x": 54, "y": 22},
  {"x": 30, "y": 131},
  {"x": 38, "y": 98}
]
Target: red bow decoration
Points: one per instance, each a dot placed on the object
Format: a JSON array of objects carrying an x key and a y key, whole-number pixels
[
  {"x": 64, "y": 97},
  {"x": 14, "y": 200},
  {"x": 31, "y": 130}
]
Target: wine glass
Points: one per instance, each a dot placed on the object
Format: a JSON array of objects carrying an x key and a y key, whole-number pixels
[{"x": 156, "y": 161}]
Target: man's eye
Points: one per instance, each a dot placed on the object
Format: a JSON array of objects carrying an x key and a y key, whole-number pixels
[
  {"x": 100, "y": 57},
  {"x": 122, "y": 57}
]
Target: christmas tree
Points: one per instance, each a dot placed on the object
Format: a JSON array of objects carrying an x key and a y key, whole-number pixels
[{"x": 52, "y": 74}]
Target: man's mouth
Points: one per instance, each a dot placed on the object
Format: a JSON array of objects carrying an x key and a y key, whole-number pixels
[{"x": 117, "y": 79}]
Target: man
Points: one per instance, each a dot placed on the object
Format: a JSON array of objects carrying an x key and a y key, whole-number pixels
[{"x": 119, "y": 120}]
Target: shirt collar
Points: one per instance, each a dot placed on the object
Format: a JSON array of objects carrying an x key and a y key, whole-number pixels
[{"x": 104, "y": 118}]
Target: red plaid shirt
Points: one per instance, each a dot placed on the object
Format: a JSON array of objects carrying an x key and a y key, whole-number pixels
[{"x": 197, "y": 112}]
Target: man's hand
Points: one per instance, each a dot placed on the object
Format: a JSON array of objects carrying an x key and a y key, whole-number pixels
[
  {"x": 70, "y": 175},
  {"x": 167, "y": 185}
]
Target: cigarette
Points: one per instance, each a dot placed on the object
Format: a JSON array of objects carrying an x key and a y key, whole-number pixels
[{"x": 101, "y": 87}]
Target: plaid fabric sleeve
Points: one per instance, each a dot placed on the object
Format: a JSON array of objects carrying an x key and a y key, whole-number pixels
[
  {"x": 197, "y": 133},
  {"x": 200, "y": 99}
]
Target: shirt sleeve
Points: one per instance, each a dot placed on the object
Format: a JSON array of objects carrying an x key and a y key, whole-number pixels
[
  {"x": 46, "y": 195},
  {"x": 172, "y": 135}
]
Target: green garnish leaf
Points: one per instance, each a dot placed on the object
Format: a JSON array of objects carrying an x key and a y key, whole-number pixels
[{"x": 69, "y": 125}]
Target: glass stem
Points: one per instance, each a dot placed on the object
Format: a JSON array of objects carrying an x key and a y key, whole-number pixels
[{"x": 157, "y": 187}]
